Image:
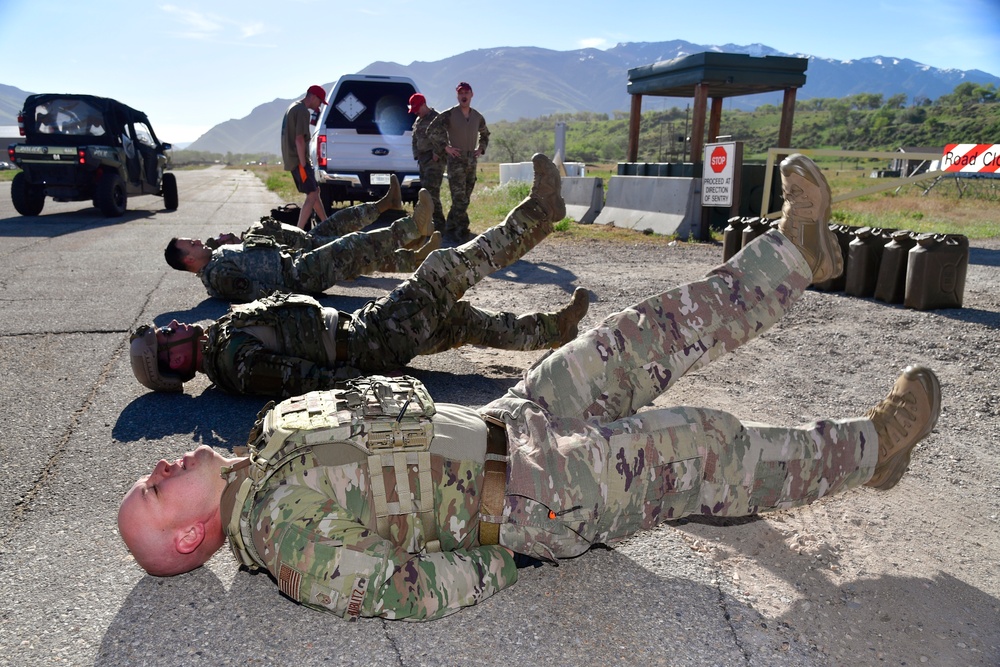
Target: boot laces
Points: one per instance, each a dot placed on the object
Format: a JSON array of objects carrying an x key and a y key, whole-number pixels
[
  {"x": 896, "y": 413},
  {"x": 797, "y": 200}
]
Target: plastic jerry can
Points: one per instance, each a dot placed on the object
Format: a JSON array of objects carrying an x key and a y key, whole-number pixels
[
  {"x": 732, "y": 237},
  {"x": 755, "y": 227},
  {"x": 845, "y": 234},
  {"x": 863, "y": 257},
  {"x": 891, "y": 284},
  {"x": 935, "y": 271}
]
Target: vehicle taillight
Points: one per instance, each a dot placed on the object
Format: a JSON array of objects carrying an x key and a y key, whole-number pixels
[
  {"x": 20, "y": 123},
  {"x": 321, "y": 151},
  {"x": 81, "y": 156},
  {"x": 10, "y": 154}
]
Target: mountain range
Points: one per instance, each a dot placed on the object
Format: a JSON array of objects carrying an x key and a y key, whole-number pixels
[{"x": 527, "y": 82}]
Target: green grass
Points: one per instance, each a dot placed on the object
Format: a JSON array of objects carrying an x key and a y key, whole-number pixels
[{"x": 974, "y": 212}]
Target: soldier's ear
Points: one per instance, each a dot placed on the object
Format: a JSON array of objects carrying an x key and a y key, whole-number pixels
[{"x": 188, "y": 539}]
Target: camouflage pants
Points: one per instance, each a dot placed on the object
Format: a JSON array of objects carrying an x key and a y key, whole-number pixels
[
  {"x": 461, "y": 181},
  {"x": 352, "y": 255},
  {"x": 342, "y": 222},
  {"x": 586, "y": 467},
  {"x": 431, "y": 177},
  {"x": 423, "y": 314}
]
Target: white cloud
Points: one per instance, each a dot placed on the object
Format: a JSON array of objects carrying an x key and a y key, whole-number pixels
[
  {"x": 199, "y": 25},
  {"x": 592, "y": 42}
]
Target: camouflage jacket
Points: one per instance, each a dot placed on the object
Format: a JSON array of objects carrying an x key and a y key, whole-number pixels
[
  {"x": 423, "y": 148},
  {"x": 312, "y": 526},
  {"x": 241, "y": 363},
  {"x": 246, "y": 272}
]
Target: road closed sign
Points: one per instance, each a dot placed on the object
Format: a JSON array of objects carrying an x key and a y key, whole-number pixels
[{"x": 717, "y": 175}]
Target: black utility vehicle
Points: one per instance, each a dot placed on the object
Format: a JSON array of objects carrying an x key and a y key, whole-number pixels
[{"x": 80, "y": 148}]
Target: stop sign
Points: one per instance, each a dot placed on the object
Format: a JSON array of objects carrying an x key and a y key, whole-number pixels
[{"x": 718, "y": 159}]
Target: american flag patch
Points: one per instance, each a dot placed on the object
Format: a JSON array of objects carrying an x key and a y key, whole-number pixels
[{"x": 289, "y": 581}]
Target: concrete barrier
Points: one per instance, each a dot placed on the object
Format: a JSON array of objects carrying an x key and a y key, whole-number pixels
[
  {"x": 664, "y": 204},
  {"x": 584, "y": 198},
  {"x": 525, "y": 172}
]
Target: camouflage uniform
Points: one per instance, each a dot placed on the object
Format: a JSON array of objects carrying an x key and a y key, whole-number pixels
[
  {"x": 431, "y": 170},
  {"x": 583, "y": 466},
  {"x": 261, "y": 265},
  {"x": 423, "y": 315},
  {"x": 340, "y": 223},
  {"x": 451, "y": 127}
]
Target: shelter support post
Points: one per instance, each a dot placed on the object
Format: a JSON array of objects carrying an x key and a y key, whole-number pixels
[
  {"x": 715, "y": 120},
  {"x": 787, "y": 116},
  {"x": 634, "y": 116},
  {"x": 698, "y": 122}
]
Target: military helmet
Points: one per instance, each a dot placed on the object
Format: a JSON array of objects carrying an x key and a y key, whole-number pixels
[{"x": 145, "y": 365}]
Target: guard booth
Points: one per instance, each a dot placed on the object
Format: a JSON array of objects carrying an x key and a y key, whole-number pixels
[{"x": 714, "y": 76}]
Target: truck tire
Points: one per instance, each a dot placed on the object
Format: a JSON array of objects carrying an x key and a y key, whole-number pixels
[
  {"x": 28, "y": 199},
  {"x": 169, "y": 187},
  {"x": 111, "y": 197}
]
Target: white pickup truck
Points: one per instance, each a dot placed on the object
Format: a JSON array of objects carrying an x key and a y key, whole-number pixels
[{"x": 362, "y": 136}]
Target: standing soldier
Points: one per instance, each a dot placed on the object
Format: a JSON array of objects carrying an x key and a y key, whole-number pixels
[
  {"x": 296, "y": 128},
  {"x": 431, "y": 162},
  {"x": 461, "y": 133}
]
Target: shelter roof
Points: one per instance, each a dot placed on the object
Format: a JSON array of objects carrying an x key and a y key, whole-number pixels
[{"x": 727, "y": 75}]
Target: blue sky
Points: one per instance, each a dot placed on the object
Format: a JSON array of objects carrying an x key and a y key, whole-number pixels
[{"x": 193, "y": 64}]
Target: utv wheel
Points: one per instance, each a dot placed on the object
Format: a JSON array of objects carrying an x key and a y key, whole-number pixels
[
  {"x": 28, "y": 199},
  {"x": 168, "y": 184},
  {"x": 110, "y": 197}
]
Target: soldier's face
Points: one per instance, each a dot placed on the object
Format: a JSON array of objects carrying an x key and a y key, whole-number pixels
[
  {"x": 193, "y": 249},
  {"x": 175, "y": 492},
  {"x": 177, "y": 347},
  {"x": 464, "y": 97}
]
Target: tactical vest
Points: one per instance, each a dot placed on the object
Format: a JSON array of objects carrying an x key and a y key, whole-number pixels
[
  {"x": 296, "y": 319},
  {"x": 384, "y": 421}
]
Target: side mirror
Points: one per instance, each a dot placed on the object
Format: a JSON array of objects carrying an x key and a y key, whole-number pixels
[{"x": 167, "y": 147}]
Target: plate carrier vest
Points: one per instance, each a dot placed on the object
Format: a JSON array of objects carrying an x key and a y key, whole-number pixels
[{"x": 383, "y": 420}]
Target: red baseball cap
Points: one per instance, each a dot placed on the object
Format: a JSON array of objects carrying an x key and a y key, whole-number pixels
[
  {"x": 416, "y": 101},
  {"x": 318, "y": 92},
  {"x": 462, "y": 86}
]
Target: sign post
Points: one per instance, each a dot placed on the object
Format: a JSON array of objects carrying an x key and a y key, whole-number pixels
[{"x": 720, "y": 180}]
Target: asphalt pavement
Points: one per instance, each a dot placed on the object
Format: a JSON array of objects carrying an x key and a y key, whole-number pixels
[{"x": 78, "y": 430}]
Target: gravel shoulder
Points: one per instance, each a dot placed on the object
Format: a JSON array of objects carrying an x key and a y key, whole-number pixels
[{"x": 903, "y": 577}]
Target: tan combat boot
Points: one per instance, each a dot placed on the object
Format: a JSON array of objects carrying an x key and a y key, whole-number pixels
[
  {"x": 902, "y": 419},
  {"x": 805, "y": 216},
  {"x": 433, "y": 243},
  {"x": 393, "y": 199},
  {"x": 423, "y": 212},
  {"x": 547, "y": 188},
  {"x": 568, "y": 317}
]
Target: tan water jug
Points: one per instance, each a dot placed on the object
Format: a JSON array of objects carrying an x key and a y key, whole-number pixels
[
  {"x": 755, "y": 227},
  {"x": 891, "y": 284},
  {"x": 732, "y": 237},
  {"x": 935, "y": 271},
  {"x": 845, "y": 234},
  {"x": 863, "y": 257}
]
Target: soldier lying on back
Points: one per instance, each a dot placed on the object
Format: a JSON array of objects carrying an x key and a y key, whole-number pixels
[
  {"x": 259, "y": 263},
  {"x": 284, "y": 345}
]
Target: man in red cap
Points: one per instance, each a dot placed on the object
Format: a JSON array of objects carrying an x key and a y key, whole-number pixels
[
  {"x": 296, "y": 128},
  {"x": 431, "y": 162},
  {"x": 461, "y": 133}
]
